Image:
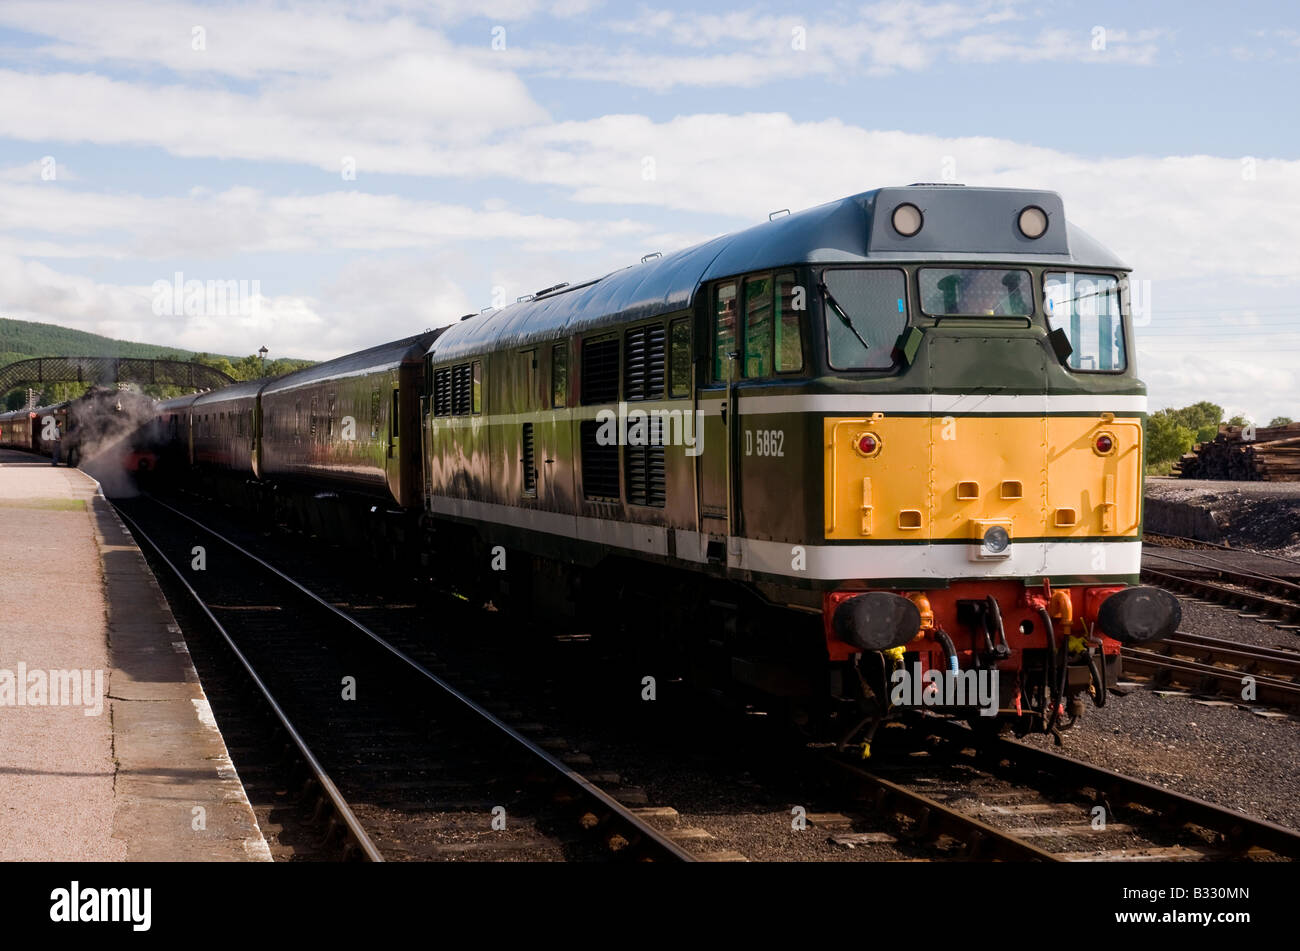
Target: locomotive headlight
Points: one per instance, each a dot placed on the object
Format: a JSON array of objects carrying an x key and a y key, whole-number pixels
[
  {"x": 1032, "y": 222},
  {"x": 996, "y": 540},
  {"x": 990, "y": 539},
  {"x": 907, "y": 219}
]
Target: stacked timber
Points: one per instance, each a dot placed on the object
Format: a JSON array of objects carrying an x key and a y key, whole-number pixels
[{"x": 1268, "y": 454}]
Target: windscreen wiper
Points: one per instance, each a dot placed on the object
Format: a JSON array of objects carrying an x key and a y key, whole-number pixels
[{"x": 839, "y": 312}]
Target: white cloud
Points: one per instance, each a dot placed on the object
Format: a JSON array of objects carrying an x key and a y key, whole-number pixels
[
  {"x": 369, "y": 301},
  {"x": 247, "y": 221},
  {"x": 748, "y": 47}
]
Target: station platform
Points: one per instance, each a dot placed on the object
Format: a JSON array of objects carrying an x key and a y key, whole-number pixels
[{"x": 108, "y": 749}]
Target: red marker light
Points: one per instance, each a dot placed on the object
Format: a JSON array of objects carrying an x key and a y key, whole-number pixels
[
  {"x": 1105, "y": 443},
  {"x": 868, "y": 444}
]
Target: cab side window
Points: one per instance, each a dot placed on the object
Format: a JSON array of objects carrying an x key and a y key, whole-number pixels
[{"x": 1085, "y": 309}]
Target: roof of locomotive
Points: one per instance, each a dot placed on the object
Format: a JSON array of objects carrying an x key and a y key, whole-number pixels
[
  {"x": 961, "y": 224},
  {"x": 385, "y": 356}
]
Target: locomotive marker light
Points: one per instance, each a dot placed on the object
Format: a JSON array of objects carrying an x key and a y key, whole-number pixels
[
  {"x": 907, "y": 219},
  {"x": 868, "y": 445},
  {"x": 1032, "y": 222},
  {"x": 1104, "y": 444}
]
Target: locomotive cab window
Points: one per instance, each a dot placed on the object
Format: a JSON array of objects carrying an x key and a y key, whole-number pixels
[
  {"x": 1086, "y": 309},
  {"x": 976, "y": 292},
  {"x": 864, "y": 310}
]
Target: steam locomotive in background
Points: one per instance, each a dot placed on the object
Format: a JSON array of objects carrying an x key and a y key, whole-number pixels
[
  {"x": 898, "y": 432},
  {"x": 104, "y": 419}
]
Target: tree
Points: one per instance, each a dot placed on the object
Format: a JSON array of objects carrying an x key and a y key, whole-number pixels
[
  {"x": 1240, "y": 421},
  {"x": 1280, "y": 421},
  {"x": 1167, "y": 439},
  {"x": 1198, "y": 416}
]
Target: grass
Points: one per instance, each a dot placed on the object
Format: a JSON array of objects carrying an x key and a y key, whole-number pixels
[{"x": 49, "y": 505}]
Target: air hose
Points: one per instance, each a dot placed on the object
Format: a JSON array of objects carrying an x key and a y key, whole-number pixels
[
  {"x": 1056, "y": 681},
  {"x": 949, "y": 648}
]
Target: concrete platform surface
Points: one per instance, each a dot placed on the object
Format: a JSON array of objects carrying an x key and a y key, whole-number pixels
[{"x": 108, "y": 749}]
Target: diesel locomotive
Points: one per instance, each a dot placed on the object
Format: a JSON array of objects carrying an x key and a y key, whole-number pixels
[{"x": 846, "y": 458}]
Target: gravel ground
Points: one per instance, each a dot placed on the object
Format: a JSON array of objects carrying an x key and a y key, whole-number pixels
[
  {"x": 1224, "y": 754},
  {"x": 1219, "y": 753},
  {"x": 1211, "y": 620},
  {"x": 736, "y": 781},
  {"x": 1261, "y": 515}
]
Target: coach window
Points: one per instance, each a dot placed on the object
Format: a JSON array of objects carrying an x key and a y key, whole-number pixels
[
  {"x": 758, "y": 327},
  {"x": 724, "y": 329},
  {"x": 864, "y": 310},
  {"x": 790, "y": 303},
  {"x": 478, "y": 387},
  {"x": 560, "y": 375},
  {"x": 679, "y": 361},
  {"x": 1085, "y": 308}
]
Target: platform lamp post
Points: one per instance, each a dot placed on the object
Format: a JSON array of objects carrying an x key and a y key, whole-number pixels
[{"x": 262, "y": 353}]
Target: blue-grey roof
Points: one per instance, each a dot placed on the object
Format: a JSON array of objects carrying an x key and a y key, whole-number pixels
[
  {"x": 385, "y": 356},
  {"x": 236, "y": 391},
  {"x": 961, "y": 224}
]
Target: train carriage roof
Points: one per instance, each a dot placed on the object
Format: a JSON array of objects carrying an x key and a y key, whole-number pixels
[
  {"x": 178, "y": 402},
  {"x": 236, "y": 391},
  {"x": 385, "y": 356},
  {"x": 961, "y": 224}
]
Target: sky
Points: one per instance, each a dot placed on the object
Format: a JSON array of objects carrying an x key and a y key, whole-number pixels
[{"x": 362, "y": 171}]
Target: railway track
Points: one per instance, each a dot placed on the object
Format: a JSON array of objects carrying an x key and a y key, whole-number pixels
[
  {"x": 970, "y": 797},
  {"x": 1239, "y": 594},
  {"x": 1218, "y": 666},
  {"x": 1205, "y": 573},
  {"x": 414, "y": 768},
  {"x": 331, "y": 811}
]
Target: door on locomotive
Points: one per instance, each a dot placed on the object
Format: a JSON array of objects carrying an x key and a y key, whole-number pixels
[
  {"x": 716, "y": 399},
  {"x": 755, "y": 332},
  {"x": 554, "y": 444}
]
